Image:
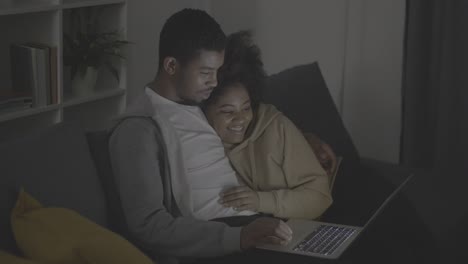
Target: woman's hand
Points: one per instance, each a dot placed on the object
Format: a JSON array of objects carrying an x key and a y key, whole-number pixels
[{"x": 240, "y": 198}]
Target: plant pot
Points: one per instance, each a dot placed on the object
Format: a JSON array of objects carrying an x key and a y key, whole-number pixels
[{"x": 83, "y": 84}]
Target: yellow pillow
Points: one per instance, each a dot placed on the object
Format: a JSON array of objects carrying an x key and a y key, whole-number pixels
[
  {"x": 7, "y": 258},
  {"x": 59, "y": 235}
]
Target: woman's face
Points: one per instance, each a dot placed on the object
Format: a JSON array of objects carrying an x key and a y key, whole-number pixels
[{"x": 230, "y": 114}]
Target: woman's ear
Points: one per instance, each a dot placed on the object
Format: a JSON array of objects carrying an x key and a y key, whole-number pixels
[{"x": 170, "y": 65}]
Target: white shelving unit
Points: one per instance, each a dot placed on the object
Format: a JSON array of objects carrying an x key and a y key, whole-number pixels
[{"x": 45, "y": 21}]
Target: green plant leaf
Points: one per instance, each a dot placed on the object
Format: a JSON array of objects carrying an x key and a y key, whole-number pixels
[{"x": 86, "y": 47}]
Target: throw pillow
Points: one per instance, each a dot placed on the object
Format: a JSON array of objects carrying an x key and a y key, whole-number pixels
[{"x": 60, "y": 235}]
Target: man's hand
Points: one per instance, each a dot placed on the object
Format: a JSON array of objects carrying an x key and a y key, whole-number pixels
[
  {"x": 240, "y": 198},
  {"x": 324, "y": 153},
  {"x": 326, "y": 157},
  {"x": 263, "y": 231}
]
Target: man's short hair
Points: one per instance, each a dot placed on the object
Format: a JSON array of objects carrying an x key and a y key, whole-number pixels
[{"x": 186, "y": 33}]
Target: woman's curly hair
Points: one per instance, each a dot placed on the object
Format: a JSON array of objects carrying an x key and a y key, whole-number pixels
[{"x": 242, "y": 64}]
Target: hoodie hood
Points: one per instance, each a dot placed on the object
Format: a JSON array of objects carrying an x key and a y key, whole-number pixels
[
  {"x": 141, "y": 107},
  {"x": 264, "y": 115}
]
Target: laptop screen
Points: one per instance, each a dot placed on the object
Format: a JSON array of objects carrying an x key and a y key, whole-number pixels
[{"x": 359, "y": 191}]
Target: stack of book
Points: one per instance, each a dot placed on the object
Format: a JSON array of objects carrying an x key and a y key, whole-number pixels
[
  {"x": 14, "y": 102},
  {"x": 34, "y": 73}
]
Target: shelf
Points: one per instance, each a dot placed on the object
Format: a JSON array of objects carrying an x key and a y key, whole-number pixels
[
  {"x": 5, "y": 116},
  {"x": 14, "y": 7},
  {"x": 99, "y": 95},
  {"x": 46, "y": 22},
  {"x": 68, "y": 4}
]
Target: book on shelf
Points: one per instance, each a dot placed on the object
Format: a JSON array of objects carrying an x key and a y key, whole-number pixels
[
  {"x": 13, "y": 102},
  {"x": 53, "y": 76},
  {"x": 21, "y": 69},
  {"x": 42, "y": 56},
  {"x": 34, "y": 71}
]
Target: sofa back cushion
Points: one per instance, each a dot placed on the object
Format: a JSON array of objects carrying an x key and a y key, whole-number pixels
[
  {"x": 99, "y": 146},
  {"x": 55, "y": 166},
  {"x": 303, "y": 96}
]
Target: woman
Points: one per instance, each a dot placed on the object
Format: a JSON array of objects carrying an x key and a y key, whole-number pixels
[{"x": 283, "y": 176}]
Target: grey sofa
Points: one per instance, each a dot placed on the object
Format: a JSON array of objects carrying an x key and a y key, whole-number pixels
[
  {"x": 54, "y": 165},
  {"x": 61, "y": 165}
]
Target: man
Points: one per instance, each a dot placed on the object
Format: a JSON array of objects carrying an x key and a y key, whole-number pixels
[{"x": 168, "y": 162}]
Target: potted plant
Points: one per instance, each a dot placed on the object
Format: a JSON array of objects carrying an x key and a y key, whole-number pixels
[{"x": 87, "y": 49}]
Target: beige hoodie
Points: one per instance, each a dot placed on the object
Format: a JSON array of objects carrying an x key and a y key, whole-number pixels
[{"x": 276, "y": 160}]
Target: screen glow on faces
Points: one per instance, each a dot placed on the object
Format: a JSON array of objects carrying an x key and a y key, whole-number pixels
[
  {"x": 231, "y": 114},
  {"x": 198, "y": 77}
]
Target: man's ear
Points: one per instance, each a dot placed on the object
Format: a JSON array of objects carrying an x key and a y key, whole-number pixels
[{"x": 170, "y": 65}]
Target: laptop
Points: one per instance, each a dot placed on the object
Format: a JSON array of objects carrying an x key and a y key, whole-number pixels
[{"x": 326, "y": 240}]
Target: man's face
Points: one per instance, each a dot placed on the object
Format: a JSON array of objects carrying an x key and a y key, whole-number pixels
[{"x": 197, "y": 78}]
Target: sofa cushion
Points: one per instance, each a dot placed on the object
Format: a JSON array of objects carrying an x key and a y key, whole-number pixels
[
  {"x": 60, "y": 235},
  {"x": 55, "y": 166}
]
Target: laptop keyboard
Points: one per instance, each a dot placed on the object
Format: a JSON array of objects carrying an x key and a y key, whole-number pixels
[{"x": 325, "y": 239}]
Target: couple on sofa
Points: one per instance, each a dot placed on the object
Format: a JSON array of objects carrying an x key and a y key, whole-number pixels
[{"x": 198, "y": 145}]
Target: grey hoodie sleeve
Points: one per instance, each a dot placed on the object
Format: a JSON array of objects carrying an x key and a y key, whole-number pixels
[{"x": 133, "y": 151}]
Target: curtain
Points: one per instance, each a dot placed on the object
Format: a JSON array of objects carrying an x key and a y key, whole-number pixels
[
  {"x": 435, "y": 85},
  {"x": 435, "y": 117}
]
